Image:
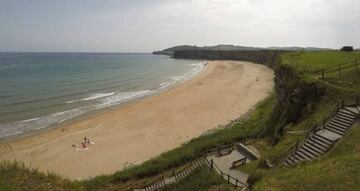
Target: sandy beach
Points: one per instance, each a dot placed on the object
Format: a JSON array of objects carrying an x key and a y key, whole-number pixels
[{"x": 225, "y": 90}]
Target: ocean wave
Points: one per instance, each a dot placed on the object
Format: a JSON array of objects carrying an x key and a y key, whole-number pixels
[
  {"x": 18, "y": 127},
  {"x": 103, "y": 100},
  {"x": 164, "y": 85},
  {"x": 92, "y": 97},
  {"x": 121, "y": 97},
  {"x": 198, "y": 67},
  {"x": 28, "y": 120}
]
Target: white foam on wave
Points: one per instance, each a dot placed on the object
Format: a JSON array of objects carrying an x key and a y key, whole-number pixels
[
  {"x": 18, "y": 127},
  {"x": 121, "y": 97},
  {"x": 98, "y": 95},
  {"x": 164, "y": 85},
  {"x": 92, "y": 97},
  {"x": 28, "y": 120},
  {"x": 197, "y": 67},
  {"x": 105, "y": 100}
]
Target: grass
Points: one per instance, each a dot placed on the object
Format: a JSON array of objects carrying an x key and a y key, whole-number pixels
[
  {"x": 309, "y": 62},
  {"x": 337, "y": 170},
  {"x": 17, "y": 176}
]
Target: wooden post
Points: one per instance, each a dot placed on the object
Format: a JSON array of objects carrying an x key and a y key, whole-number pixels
[
  {"x": 236, "y": 182},
  {"x": 212, "y": 164},
  {"x": 228, "y": 178}
]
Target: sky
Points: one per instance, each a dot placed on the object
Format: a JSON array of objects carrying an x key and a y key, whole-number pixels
[{"x": 148, "y": 25}]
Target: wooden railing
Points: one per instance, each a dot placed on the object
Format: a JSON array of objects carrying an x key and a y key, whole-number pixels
[
  {"x": 340, "y": 104},
  {"x": 294, "y": 148},
  {"x": 156, "y": 181},
  {"x": 236, "y": 182},
  {"x": 339, "y": 69}
]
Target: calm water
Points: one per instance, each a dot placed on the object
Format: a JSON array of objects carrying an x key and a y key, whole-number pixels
[{"x": 42, "y": 89}]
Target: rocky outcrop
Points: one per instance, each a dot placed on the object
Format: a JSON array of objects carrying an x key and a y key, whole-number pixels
[{"x": 267, "y": 57}]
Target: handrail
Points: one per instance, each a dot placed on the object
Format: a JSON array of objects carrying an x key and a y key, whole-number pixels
[
  {"x": 161, "y": 177},
  {"x": 312, "y": 130},
  {"x": 339, "y": 104},
  {"x": 228, "y": 176}
]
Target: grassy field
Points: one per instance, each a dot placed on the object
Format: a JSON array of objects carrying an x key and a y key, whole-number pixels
[{"x": 339, "y": 165}]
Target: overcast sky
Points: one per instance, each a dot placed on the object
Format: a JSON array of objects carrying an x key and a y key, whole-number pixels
[{"x": 147, "y": 25}]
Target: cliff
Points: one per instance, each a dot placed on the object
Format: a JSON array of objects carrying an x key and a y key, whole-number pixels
[{"x": 267, "y": 57}]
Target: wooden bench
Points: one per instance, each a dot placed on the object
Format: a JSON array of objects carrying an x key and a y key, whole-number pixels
[
  {"x": 222, "y": 152},
  {"x": 238, "y": 162}
]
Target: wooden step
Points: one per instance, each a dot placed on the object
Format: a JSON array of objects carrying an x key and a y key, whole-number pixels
[
  {"x": 352, "y": 110},
  {"x": 295, "y": 159},
  {"x": 298, "y": 158},
  {"x": 342, "y": 129},
  {"x": 306, "y": 154},
  {"x": 339, "y": 115},
  {"x": 346, "y": 121},
  {"x": 347, "y": 113},
  {"x": 323, "y": 139},
  {"x": 290, "y": 160},
  {"x": 340, "y": 123},
  {"x": 318, "y": 146},
  {"x": 337, "y": 125},
  {"x": 335, "y": 131},
  {"x": 320, "y": 143},
  {"x": 313, "y": 150}
]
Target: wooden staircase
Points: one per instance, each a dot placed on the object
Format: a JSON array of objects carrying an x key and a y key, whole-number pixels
[
  {"x": 185, "y": 172},
  {"x": 320, "y": 141}
]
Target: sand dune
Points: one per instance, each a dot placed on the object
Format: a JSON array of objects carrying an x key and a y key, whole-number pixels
[{"x": 144, "y": 129}]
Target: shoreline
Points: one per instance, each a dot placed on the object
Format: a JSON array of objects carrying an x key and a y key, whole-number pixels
[
  {"x": 92, "y": 113},
  {"x": 145, "y": 128}
]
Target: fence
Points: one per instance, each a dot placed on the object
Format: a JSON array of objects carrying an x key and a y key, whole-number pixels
[
  {"x": 230, "y": 179},
  {"x": 339, "y": 69}
]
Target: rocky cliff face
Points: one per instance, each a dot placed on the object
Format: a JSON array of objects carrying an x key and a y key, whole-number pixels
[
  {"x": 296, "y": 98},
  {"x": 267, "y": 57}
]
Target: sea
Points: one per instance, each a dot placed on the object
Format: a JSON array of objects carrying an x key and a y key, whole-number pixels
[{"x": 41, "y": 90}]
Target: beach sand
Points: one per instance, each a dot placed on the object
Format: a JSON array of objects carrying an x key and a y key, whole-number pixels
[{"x": 224, "y": 91}]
